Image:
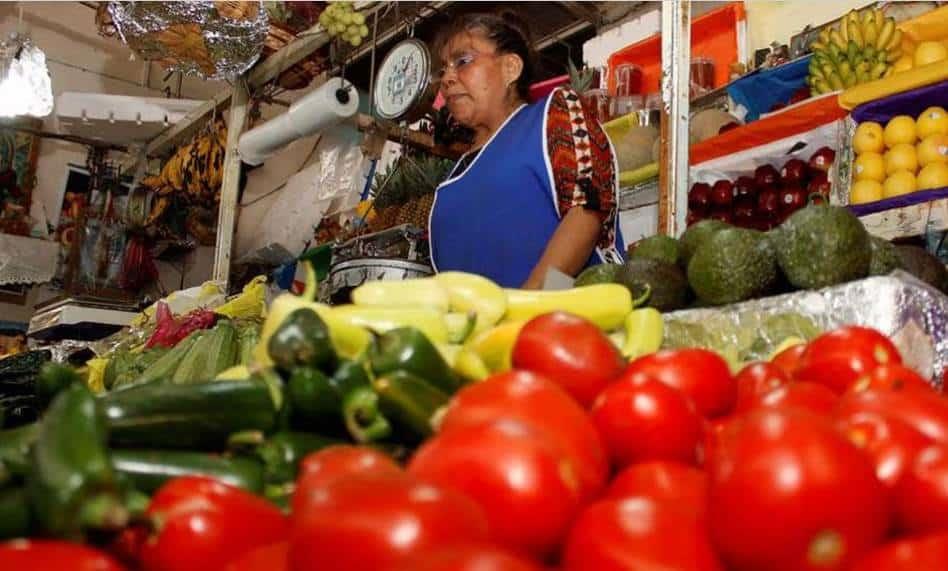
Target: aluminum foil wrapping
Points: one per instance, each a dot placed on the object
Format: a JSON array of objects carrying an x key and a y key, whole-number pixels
[
  {"x": 912, "y": 313},
  {"x": 212, "y": 40}
]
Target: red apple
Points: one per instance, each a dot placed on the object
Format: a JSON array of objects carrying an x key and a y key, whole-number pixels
[
  {"x": 765, "y": 175},
  {"x": 823, "y": 159},
  {"x": 693, "y": 217},
  {"x": 768, "y": 201},
  {"x": 819, "y": 183},
  {"x": 744, "y": 214},
  {"x": 722, "y": 193},
  {"x": 745, "y": 186},
  {"x": 722, "y": 214},
  {"x": 764, "y": 222},
  {"x": 791, "y": 198},
  {"x": 794, "y": 172},
  {"x": 699, "y": 197}
]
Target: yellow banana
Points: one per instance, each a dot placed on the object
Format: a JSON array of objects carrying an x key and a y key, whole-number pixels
[
  {"x": 893, "y": 56},
  {"x": 855, "y": 33},
  {"x": 869, "y": 30},
  {"x": 381, "y": 319},
  {"x": 606, "y": 305},
  {"x": 844, "y": 31},
  {"x": 896, "y": 41},
  {"x": 885, "y": 34},
  {"x": 419, "y": 292},
  {"x": 471, "y": 292},
  {"x": 825, "y": 35},
  {"x": 879, "y": 17},
  {"x": 644, "y": 331},
  {"x": 838, "y": 39}
]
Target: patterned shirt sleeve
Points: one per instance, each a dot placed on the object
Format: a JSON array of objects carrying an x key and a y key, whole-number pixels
[{"x": 582, "y": 160}]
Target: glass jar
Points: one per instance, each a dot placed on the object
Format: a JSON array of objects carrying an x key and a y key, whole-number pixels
[{"x": 702, "y": 75}]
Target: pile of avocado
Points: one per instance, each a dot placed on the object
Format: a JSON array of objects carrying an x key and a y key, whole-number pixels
[{"x": 714, "y": 263}]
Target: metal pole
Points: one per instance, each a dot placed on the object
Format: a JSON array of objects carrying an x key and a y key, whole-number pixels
[
  {"x": 676, "y": 73},
  {"x": 229, "y": 187}
]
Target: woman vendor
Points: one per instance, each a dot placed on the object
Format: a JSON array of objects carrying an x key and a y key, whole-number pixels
[{"x": 538, "y": 189}]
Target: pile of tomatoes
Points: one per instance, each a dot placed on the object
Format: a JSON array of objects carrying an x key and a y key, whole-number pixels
[{"x": 833, "y": 456}]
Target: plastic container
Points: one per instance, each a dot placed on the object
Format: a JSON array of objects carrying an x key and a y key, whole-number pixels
[
  {"x": 628, "y": 80},
  {"x": 713, "y": 35},
  {"x": 599, "y": 102},
  {"x": 702, "y": 76},
  {"x": 626, "y": 104}
]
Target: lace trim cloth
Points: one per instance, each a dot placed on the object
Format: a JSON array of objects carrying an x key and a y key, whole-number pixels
[{"x": 27, "y": 260}]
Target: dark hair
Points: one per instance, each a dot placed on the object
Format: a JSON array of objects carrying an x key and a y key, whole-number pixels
[{"x": 508, "y": 32}]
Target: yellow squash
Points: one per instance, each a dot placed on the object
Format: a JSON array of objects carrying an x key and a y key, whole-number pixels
[
  {"x": 471, "y": 292},
  {"x": 606, "y": 305},
  {"x": 381, "y": 319},
  {"x": 421, "y": 292}
]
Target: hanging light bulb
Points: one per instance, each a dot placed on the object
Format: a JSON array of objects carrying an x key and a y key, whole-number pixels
[{"x": 25, "y": 87}]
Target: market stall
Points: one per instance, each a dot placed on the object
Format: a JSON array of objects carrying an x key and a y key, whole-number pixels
[{"x": 759, "y": 384}]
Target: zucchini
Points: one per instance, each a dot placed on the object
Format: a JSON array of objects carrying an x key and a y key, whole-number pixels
[
  {"x": 192, "y": 366},
  {"x": 15, "y": 444},
  {"x": 165, "y": 366},
  {"x": 196, "y": 416},
  {"x": 27, "y": 363},
  {"x": 147, "y": 470}
]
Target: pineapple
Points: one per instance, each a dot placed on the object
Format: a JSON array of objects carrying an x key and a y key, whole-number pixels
[{"x": 580, "y": 80}]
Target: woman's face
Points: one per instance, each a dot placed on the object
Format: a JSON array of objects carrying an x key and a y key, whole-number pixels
[{"x": 474, "y": 79}]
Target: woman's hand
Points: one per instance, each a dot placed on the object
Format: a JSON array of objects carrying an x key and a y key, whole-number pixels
[{"x": 569, "y": 248}]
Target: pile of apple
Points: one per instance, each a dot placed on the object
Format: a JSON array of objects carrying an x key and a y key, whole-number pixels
[{"x": 765, "y": 199}]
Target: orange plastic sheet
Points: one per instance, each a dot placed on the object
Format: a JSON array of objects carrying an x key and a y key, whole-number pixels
[
  {"x": 929, "y": 26},
  {"x": 713, "y": 35},
  {"x": 785, "y": 123}
]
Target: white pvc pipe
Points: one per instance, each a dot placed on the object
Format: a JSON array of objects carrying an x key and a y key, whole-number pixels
[{"x": 332, "y": 102}]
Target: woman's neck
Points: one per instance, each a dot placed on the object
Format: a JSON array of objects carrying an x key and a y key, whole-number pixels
[{"x": 483, "y": 133}]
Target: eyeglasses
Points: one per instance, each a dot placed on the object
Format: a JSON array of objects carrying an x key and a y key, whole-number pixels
[{"x": 460, "y": 62}]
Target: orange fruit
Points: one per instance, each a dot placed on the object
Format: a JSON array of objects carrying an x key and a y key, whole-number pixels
[
  {"x": 868, "y": 138},
  {"x": 864, "y": 191},
  {"x": 932, "y": 120},
  {"x": 902, "y": 182},
  {"x": 934, "y": 175},
  {"x": 932, "y": 149},
  {"x": 929, "y": 52},
  {"x": 901, "y": 157},
  {"x": 900, "y": 129},
  {"x": 869, "y": 166}
]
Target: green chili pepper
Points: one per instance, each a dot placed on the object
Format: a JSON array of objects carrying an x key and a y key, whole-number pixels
[
  {"x": 363, "y": 419},
  {"x": 313, "y": 401},
  {"x": 409, "y": 401},
  {"x": 407, "y": 349},
  {"x": 282, "y": 453},
  {"x": 302, "y": 340}
]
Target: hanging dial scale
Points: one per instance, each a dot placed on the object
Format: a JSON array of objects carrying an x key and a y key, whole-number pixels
[{"x": 403, "y": 86}]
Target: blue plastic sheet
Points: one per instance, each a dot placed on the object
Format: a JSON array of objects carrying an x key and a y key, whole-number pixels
[{"x": 759, "y": 91}]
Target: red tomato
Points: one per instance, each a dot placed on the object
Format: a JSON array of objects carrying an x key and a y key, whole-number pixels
[
  {"x": 890, "y": 443},
  {"x": 838, "y": 358},
  {"x": 206, "y": 524},
  {"x": 925, "y": 412},
  {"x": 50, "y": 555},
  {"x": 534, "y": 400},
  {"x": 529, "y": 493},
  {"x": 807, "y": 396},
  {"x": 702, "y": 375},
  {"x": 641, "y": 419},
  {"x": 271, "y": 557},
  {"x": 637, "y": 534},
  {"x": 788, "y": 492},
  {"x": 469, "y": 558},
  {"x": 789, "y": 359},
  {"x": 569, "y": 350},
  {"x": 892, "y": 377},
  {"x": 911, "y": 554},
  {"x": 715, "y": 432},
  {"x": 320, "y": 469},
  {"x": 686, "y": 486},
  {"x": 921, "y": 496},
  {"x": 375, "y": 521},
  {"x": 754, "y": 381}
]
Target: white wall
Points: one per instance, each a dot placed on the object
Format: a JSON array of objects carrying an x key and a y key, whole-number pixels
[{"x": 79, "y": 60}]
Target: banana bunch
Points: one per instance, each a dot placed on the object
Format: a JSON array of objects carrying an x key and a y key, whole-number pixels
[
  {"x": 860, "y": 49},
  {"x": 197, "y": 168}
]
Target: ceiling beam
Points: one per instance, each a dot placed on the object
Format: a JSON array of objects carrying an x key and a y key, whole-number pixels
[{"x": 587, "y": 11}]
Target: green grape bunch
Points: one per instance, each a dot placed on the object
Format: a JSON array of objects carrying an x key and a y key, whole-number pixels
[{"x": 341, "y": 20}]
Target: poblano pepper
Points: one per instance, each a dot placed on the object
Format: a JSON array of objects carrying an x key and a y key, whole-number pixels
[
  {"x": 302, "y": 340},
  {"x": 407, "y": 349}
]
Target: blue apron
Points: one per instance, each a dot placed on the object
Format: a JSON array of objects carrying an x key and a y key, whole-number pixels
[{"x": 496, "y": 218}]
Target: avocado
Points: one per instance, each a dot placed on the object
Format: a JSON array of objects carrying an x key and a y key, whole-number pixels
[
  {"x": 696, "y": 235},
  {"x": 926, "y": 267},
  {"x": 822, "y": 245},
  {"x": 669, "y": 288},
  {"x": 658, "y": 247},
  {"x": 885, "y": 258},
  {"x": 735, "y": 264},
  {"x": 598, "y": 274}
]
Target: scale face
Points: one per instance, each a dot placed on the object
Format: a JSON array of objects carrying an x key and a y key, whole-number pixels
[{"x": 403, "y": 83}]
